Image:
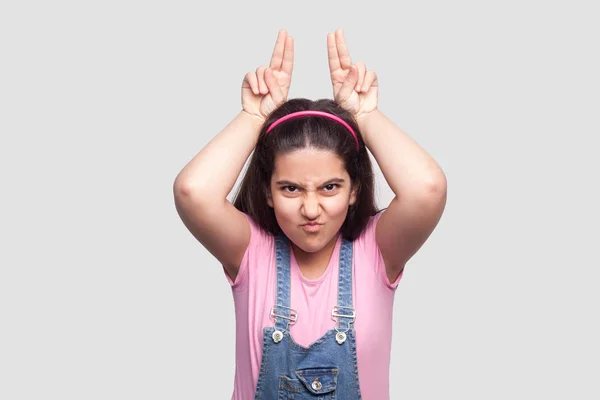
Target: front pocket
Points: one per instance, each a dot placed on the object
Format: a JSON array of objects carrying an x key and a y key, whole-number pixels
[{"x": 312, "y": 383}]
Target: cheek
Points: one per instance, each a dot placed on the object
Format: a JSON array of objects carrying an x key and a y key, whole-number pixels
[
  {"x": 340, "y": 210},
  {"x": 286, "y": 208},
  {"x": 335, "y": 205}
]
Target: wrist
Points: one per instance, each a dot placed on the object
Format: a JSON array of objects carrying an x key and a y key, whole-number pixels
[
  {"x": 253, "y": 118},
  {"x": 363, "y": 119}
]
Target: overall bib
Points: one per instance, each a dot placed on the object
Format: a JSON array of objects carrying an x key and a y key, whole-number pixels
[{"x": 327, "y": 369}]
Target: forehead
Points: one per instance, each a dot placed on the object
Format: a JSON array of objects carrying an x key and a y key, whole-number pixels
[{"x": 308, "y": 165}]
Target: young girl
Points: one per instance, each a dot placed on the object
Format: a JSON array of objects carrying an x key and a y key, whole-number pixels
[{"x": 312, "y": 264}]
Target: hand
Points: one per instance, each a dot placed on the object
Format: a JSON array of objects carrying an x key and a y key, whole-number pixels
[
  {"x": 267, "y": 88},
  {"x": 354, "y": 88}
]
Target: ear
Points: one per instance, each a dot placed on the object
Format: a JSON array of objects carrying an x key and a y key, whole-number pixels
[
  {"x": 353, "y": 195},
  {"x": 269, "y": 198}
]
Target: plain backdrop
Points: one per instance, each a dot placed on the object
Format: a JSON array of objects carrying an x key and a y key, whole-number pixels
[{"x": 104, "y": 294}]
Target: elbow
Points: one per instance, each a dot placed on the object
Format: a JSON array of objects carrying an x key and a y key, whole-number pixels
[
  {"x": 180, "y": 187},
  {"x": 186, "y": 192},
  {"x": 437, "y": 184},
  {"x": 434, "y": 187},
  {"x": 184, "y": 188}
]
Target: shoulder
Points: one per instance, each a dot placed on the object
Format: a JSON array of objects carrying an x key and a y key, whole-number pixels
[
  {"x": 258, "y": 236},
  {"x": 259, "y": 251},
  {"x": 366, "y": 239},
  {"x": 368, "y": 252}
]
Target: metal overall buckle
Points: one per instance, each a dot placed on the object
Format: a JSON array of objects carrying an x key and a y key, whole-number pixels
[
  {"x": 278, "y": 335},
  {"x": 340, "y": 336}
]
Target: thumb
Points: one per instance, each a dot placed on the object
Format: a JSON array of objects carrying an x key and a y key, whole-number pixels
[
  {"x": 349, "y": 84},
  {"x": 276, "y": 92}
]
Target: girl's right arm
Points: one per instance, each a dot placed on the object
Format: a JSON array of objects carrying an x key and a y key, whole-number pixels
[
  {"x": 202, "y": 186},
  {"x": 201, "y": 189}
]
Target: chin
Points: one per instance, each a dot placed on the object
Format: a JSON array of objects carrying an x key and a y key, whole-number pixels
[
  {"x": 309, "y": 246},
  {"x": 309, "y": 242}
]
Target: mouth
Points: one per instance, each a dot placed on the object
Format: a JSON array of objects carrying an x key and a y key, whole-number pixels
[{"x": 312, "y": 227}]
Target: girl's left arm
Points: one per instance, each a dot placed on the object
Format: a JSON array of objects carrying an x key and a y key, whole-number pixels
[
  {"x": 415, "y": 178},
  {"x": 419, "y": 185}
]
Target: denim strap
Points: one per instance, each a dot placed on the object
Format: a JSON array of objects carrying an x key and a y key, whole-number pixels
[
  {"x": 345, "y": 285},
  {"x": 282, "y": 256}
]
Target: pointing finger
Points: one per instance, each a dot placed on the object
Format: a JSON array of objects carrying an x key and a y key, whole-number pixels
[
  {"x": 332, "y": 53},
  {"x": 343, "y": 53},
  {"x": 277, "y": 57},
  {"x": 288, "y": 56}
]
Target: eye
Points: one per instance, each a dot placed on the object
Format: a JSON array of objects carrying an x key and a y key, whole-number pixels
[
  {"x": 289, "y": 191},
  {"x": 332, "y": 186}
]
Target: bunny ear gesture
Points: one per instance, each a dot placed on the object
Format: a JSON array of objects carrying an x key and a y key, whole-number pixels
[
  {"x": 354, "y": 88},
  {"x": 268, "y": 87}
]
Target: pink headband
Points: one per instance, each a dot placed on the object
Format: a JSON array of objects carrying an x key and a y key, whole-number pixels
[{"x": 319, "y": 113}]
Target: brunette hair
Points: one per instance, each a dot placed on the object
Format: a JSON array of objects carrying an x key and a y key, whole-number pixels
[{"x": 300, "y": 133}]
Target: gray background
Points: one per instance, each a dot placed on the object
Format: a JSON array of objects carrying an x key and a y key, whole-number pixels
[{"x": 105, "y": 295}]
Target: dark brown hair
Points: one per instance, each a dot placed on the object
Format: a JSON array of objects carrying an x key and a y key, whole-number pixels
[{"x": 300, "y": 133}]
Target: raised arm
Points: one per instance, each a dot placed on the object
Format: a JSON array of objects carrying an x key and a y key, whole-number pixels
[
  {"x": 202, "y": 186},
  {"x": 415, "y": 178}
]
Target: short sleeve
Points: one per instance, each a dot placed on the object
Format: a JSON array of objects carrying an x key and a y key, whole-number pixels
[
  {"x": 368, "y": 242},
  {"x": 258, "y": 241}
]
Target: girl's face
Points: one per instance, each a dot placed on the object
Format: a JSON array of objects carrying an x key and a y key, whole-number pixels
[{"x": 310, "y": 185}]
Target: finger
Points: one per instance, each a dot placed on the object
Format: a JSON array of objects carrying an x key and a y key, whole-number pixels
[
  {"x": 342, "y": 49},
  {"x": 348, "y": 85},
  {"x": 251, "y": 82},
  {"x": 361, "y": 67},
  {"x": 287, "y": 65},
  {"x": 274, "y": 89},
  {"x": 332, "y": 53},
  {"x": 370, "y": 81},
  {"x": 277, "y": 57},
  {"x": 260, "y": 75}
]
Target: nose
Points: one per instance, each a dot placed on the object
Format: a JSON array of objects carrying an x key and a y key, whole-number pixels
[{"x": 310, "y": 206}]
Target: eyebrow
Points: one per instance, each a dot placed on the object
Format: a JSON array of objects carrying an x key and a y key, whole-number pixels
[{"x": 332, "y": 180}]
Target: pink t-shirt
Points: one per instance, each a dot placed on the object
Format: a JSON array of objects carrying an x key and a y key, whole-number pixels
[{"x": 373, "y": 296}]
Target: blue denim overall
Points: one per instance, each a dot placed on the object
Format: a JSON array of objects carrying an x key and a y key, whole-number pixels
[{"x": 327, "y": 369}]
